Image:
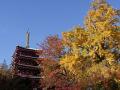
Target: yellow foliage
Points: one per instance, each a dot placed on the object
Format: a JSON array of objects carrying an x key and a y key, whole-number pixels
[{"x": 95, "y": 47}]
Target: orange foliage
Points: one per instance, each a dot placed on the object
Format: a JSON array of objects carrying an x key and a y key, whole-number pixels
[{"x": 53, "y": 50}]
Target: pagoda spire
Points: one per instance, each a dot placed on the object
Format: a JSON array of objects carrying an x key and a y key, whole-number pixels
[{"x": 27, "y": 40}]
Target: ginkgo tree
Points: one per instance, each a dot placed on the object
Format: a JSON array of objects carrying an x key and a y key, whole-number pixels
[{"x": 94, "y": 49}]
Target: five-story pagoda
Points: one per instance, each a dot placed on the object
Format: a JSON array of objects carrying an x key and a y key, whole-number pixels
[{"x": 25, "y": 63}]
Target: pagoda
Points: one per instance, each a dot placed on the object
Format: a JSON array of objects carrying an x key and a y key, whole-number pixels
[{"x": 25, "y": 63}]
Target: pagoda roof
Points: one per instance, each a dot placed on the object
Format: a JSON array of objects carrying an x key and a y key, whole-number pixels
[
  {"x": 23, "y": 56},
  {"x": 28, "y": 76},
  {"x": 30, "y": 58},
  {"x": 24, "y": 65},
  {"x": 29, "y": 67},
  {"x": 27, "y": 49},
  {"x": 35, "y": 52}
]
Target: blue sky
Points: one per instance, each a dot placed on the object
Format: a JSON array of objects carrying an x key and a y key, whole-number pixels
[{"x": 42, "y": 17}]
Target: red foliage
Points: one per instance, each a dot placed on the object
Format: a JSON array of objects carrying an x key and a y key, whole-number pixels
[
  {"x": 53, "y": 50},
  {"x": 52, "y": 75},
  {"x": 106, "y": 84},
  {"x": 52, "y": 47}
]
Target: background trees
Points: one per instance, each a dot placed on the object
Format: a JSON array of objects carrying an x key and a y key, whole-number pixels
[
  {"x": 10, "y": 82},
  {"x": 5, "y": 76}
]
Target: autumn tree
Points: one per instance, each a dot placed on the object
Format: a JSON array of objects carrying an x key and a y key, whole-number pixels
[
  {"x": 53, "y": 50},
  {"x": 52, "y": 47},
  {"x": 94, "y": 49}
]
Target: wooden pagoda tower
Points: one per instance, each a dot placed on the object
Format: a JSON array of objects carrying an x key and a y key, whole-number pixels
[{"x": 25, "y": 63}]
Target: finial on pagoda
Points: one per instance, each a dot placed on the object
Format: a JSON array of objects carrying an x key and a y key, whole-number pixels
[{"x": 27, "y": 41}]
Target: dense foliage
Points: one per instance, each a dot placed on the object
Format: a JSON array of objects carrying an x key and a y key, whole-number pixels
[
  {"x": 53, "y": 50},
  {"x": 94, "y": 50}
]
